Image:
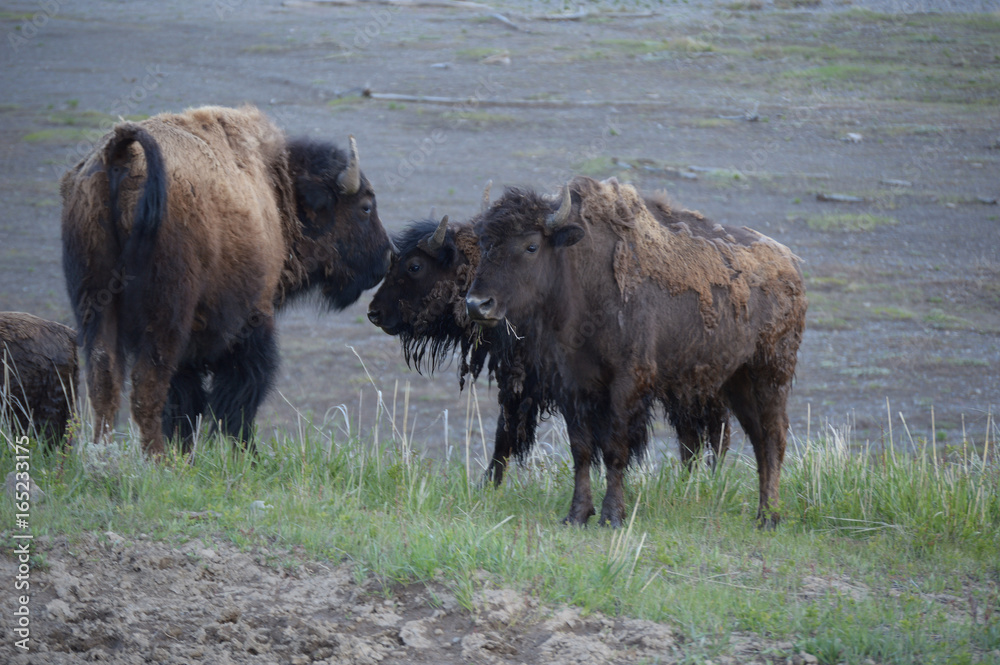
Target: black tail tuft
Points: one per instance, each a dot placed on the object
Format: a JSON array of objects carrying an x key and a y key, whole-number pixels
[{"x": 150, "y": 211}]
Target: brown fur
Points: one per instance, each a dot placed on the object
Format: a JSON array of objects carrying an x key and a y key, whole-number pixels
[
  {"x": 190, "y": 294},
  {"x": 39, "y": 374},
  {"x": 621, "y": 311}
]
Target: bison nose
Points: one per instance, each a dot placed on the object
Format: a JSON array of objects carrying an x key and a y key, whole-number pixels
[
  {"x": 375, "y": 316},
  {"x": 480, "y": 308}
]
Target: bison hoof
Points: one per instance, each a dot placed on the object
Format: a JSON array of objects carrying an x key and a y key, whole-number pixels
[{"x": 768, "y": 522}]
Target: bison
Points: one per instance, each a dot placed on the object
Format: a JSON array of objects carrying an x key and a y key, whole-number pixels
[
  {"x": 620, "y": 312},
  {"x": 39, "y": 374},
  {"x": 422, "y": 301},
  {"x": 182, "y": 235}
]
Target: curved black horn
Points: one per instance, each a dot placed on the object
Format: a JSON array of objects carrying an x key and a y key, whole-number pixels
[
  {"x": 559, "y": 217},
  {"x": 486, "y": 195},
  {"x": 349, "y": 179},
  {"x": 436, "y": 240}
]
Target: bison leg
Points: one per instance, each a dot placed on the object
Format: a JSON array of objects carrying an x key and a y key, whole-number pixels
[
  {"x": 242, "y": 379},
  {"x": 581, "y": 443},
  {"x": 105, "y": 375},
  {"x": 717, "y": 430},
  {"x": 515, "y": 434},
  {"x": 186, "y": 401},
  {"x": 502, "y": 445},
  {"x": 760, "y": 408},
  {"x": 150, "y": 386}
]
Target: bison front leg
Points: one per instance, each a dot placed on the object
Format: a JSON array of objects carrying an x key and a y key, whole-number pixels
[
  {"x": 502, "y": 445},
  {"x": 243, "y": 377},
  {"x": 581, "y": 444}
]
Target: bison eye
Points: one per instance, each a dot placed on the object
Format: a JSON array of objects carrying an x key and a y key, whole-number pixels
[
  {"x": 367, "y": 209},
  {"x": 532, "y": 248},
  {"x": 414, "y": 268}
]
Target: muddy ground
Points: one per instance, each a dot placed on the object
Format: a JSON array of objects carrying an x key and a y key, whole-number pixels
[{"x": 751, "y": 112}]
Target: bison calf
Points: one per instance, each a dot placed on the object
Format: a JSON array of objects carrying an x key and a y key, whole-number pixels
[
  {"x": 182, "y": 235},
  {"x": 39, "y": 374},
  {"x": 620, "y": 312}
]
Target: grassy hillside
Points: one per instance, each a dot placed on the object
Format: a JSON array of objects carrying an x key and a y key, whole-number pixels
[{"x": 881, "y": 556}]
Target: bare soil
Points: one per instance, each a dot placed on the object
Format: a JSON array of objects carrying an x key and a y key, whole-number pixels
[{"x": 751, "y": 116}]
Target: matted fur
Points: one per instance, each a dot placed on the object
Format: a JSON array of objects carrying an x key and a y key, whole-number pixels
[
  {"x": 625, "y": 303},
  {"x": 679, "y": 260}
]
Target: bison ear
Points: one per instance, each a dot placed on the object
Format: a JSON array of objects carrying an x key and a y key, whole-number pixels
[{"x": 568, "y": 235}]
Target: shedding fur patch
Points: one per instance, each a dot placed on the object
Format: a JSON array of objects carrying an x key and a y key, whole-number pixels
[{"x": 682, "y": 251}]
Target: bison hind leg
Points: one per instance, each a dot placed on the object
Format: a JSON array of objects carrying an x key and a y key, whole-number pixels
[
  {"x": 186, "y": 402},
  {"x": 242, "y": 379}
]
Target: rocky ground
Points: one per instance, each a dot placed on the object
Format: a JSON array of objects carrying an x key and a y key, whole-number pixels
[{"x": 105, "y": 599}]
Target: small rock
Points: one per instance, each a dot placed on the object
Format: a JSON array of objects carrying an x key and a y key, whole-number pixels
[
  {"x": 987, "y": 200},
  {"x": 208, "y": 554},
  {"x": 60, "y": 610},
  {"x": 441, "y": 65},
  {"x": 113, "y": 538},
  {"x": 853, "y": 137}
]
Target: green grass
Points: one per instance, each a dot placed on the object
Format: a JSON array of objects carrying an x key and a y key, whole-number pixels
[
  {"x": 894, "y": 531},
  {"x": 849, "y": 222},
  {"x": 61, "y": 135}
]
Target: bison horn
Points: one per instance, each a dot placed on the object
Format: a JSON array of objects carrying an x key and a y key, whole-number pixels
[
  {"x": 559, "y": 217},
  {"x": 486, "y": 195},
  {"x": 437, "y": 240},
  {"x": 349, "y": 179}
]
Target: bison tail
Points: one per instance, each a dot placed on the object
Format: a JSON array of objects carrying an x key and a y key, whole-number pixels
[{"x": 135, "y": 261}]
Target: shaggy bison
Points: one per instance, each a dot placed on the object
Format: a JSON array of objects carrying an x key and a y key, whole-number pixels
[
  {"x": 619, "y": 312},
  {"x": 39, "y": 374},
  {"x": 182, "y": 234},
  {"x": 422, "y": 300}
]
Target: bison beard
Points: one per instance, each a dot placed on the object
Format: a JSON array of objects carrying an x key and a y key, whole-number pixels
[
  {"x": 182, "y": 235},
  {"x": 422, "y": 301},
  {"x": 622, "y": 307}
]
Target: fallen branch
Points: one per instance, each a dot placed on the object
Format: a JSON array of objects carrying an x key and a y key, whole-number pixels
[
  {"x": 526, "y": 103},
  {"x": 839, "y": 198},
  {"x": 451, "y": 4},
  {"x": 586, "y": 13}
]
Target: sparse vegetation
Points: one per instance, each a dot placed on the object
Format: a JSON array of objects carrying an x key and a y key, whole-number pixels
[
  {"x": 871, "y": 543},
  {"x": 849, "y": 222}
]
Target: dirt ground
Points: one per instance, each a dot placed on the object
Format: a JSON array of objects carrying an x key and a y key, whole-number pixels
[
  {"x": 754, "y": 116},
  {"x": 212, "y": 603}
]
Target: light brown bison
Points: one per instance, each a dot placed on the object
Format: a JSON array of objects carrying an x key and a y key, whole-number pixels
[
  {"x": 39, "y": 374},
  {"x": 620, "y": 312},
  {"x": 182, "y": 234}
]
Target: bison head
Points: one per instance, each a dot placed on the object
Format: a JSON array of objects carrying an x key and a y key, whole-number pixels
[
  {"x": 522, "y": 239},
  {"x": 343, "y": 248},
  {"x": 422, "y": 299}
]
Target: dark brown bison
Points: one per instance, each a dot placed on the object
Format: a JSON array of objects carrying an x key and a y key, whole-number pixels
[
  {"x": 620, "y": 312},
  {"x": 39, "y": 374},
  {"x": 182, "y": 234},
  {"x": 422, "y": 301}
]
